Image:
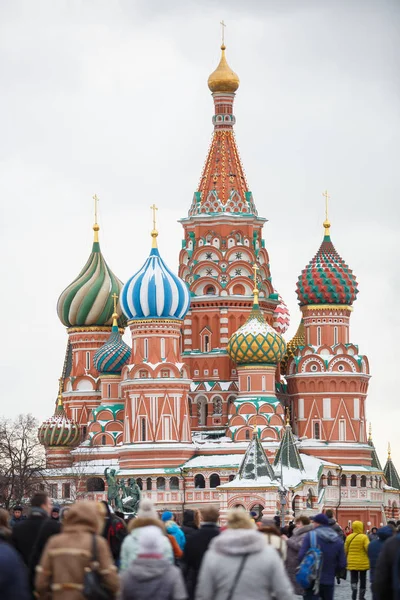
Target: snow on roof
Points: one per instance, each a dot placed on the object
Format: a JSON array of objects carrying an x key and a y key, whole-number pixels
[
  {"x": 261, "y": 482},
  {"x": 292, "y": 477},
  {"x": 214, "y": 460}
]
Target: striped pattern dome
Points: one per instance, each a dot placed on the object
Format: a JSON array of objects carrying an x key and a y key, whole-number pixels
[
  {"x": 59, "y": 430},
  {"x": 256, "y": 342},
  {"x": 113, "y": 355},
  {"x": 326, "y": 279},
  {"x": 87, "y": 301},
  {"x": 155, "y": 292}
]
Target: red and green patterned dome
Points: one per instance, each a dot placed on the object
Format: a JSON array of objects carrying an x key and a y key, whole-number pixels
[{"x": 326, "y": 279}]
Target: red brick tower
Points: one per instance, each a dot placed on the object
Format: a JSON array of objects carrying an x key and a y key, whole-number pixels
[
  {"x": 222, "y": 240},
  {"x": 327, "y": 377}
]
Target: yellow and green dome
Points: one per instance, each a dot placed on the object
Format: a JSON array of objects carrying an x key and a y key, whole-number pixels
[{"x": 256, "y": 342}]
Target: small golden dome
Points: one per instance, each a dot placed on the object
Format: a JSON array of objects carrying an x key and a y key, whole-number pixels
[{"x": 223, "y": 79}]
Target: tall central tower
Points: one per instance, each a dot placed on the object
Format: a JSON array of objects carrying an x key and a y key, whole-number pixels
[{"x": 222, "y": 240}]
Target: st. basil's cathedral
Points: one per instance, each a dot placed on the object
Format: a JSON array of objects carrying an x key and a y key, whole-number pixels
[{"x": 208, "y": 403}]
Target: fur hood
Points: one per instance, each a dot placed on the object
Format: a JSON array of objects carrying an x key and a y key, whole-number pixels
[
  {"x": 83, "y": 516},
  {"x": 299, "y": 531},
  {"x": 145, "y": 522},
  {"x": 238, "y": 541}
]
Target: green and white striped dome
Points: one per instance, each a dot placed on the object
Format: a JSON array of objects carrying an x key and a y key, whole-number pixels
[{"x": 87, "y": 301}]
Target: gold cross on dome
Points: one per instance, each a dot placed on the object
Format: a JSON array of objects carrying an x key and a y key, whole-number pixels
[
  {"x": 255, "y": 269},
  {"x": 115, "y": 298},
  {"x": 327, "y": 197},
  {"x": 223, "y": 32},
  {"x": 154, "y": 208},
  {"x": 95, "y": 198}
]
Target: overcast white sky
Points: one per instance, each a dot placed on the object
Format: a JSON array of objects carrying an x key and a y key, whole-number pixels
[{"x": 108, "y": 97}]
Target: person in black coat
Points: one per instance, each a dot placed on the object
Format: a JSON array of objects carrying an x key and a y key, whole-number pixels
[
  {"x": 190, "y": 525},
  {"x": 197, "y": 545},
  {"x": 13, "y": 575},
  {"x": 386, "y": 584},
  {"x": 30, "y": 536},
  {"x": 374, "y": 549}
]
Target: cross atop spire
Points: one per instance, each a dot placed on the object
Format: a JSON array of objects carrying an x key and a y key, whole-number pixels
[
  {"x": 95, "y": 226},
  {"x": 154, "y": 233},
  {"x": 222, "y": 33},
  {"x": 326, "y": 222}
]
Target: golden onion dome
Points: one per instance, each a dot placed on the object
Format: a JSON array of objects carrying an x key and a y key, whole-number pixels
[
  {"x": 223, "y": 79},
  {"x": 256, "y": 342},
  {"x": 297, "y": 341}
]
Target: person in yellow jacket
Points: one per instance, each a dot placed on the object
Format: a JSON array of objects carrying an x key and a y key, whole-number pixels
[{"x": 356, "y": 549}]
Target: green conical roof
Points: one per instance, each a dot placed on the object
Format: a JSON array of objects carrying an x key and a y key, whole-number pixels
[
  {"x": 255, "y": 463},
  {"x": 87, "y": 301},
  {"x": 391, "y": 474},
  {"x": 375, "y": 462},
  {"x": 287, "y": 451}
]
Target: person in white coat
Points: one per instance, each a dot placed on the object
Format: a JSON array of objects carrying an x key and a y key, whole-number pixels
[{"x": 239, "y": 564}]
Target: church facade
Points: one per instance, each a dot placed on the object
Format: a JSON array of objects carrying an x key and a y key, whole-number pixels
[{"x": 208, "y": 403}]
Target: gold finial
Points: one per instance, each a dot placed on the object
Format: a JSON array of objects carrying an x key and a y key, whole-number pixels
[
  {"x": 223, "y": 79},
  {"x": 115, "y": 314},
  {"x": 60, "y": 390},
  {"x": 222, "y": 33},
  {"x": 287, "y": 417},
  {"x": 370, "y": 433},
  {"x": 389, "y": 452},
  {"x": 154, "y": 232},
  {"x": 95, "y": 226},
  {"x": 255, "y": 290},
  {"x": 255, "y": 430},
  {"x": 326, "y": 222}
]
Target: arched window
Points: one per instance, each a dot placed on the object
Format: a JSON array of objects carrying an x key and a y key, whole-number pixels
[
  {"x": 214, "y": 480},
  {"x": 248, "y": 383},
  {"x": 149, "y": 484},
  {"x": 174, "y": 483},
  {"x": 335, "y": 335},
  {"x": 343, "y": 481},
  {"x": 109, "y": 390},
  {"x": 87, "y": 360},
  {"x": 206, "y": 343},
  {"x": 199, "y": 481},
  {"x": 210, "y": 290},
  {"x": 318, "y": 336},
  {"x": 103, "y": 440},
  {"x": 139, "y": 481},
  {"x": 238, "y": 290},
  {"x": 143, "y": 428},
  {"x": 161, "y": 483},
  {"x": 146, "y": 349},
  {"x": 247, "y": 434},
  {"x": 363, "y": 481},
  {"x": 317, "y": 430},
  {"x": 217, "y": 405},
  {"x": 202, "y": 411},
  {"x": 162, "y": 347},
  {"x": 231, "y": 477},
  {"x": 309, "y": 499},
  {"x": 329, "y": 478},
  {"x": 95, "y": 484},
  {"x": 353, "y": 481},
  {"x": 84, "y": 433}
]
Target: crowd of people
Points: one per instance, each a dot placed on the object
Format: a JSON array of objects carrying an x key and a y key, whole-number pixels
[{"x": 86, "y": 551}]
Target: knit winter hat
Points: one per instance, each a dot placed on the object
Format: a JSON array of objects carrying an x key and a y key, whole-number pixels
[
  {"x": 166, "y": 516},
  {"x": 146, "y": 510},
  {"x": 151, "y": 541}
]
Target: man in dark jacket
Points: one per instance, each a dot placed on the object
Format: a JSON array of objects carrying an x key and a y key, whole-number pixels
[
  {"x": 334, "y": 559},
  {"x": 334, "y": 524},
  {"x": 13, "y": 576},
  {"x": 374, "y": 550},
  {"x": 386, "y": 583},
  {"x": 17, "y": 517},
  {"x": 114, "y": 531},
  {"x": 190, "y": 524},
  {"x": 197, "y": 545}
]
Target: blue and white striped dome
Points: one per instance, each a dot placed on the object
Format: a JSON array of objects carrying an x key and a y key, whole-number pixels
[{"x": 155, "y": 292}]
